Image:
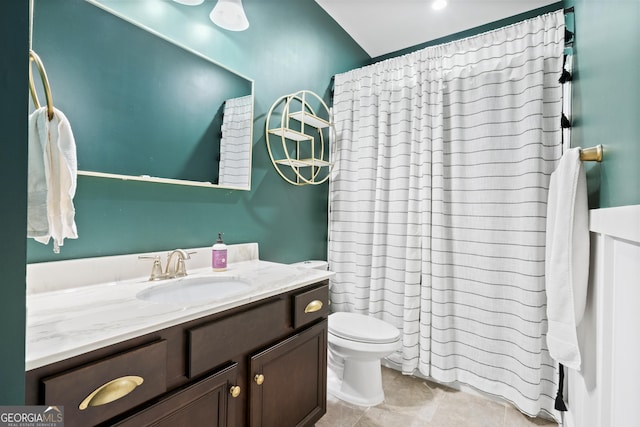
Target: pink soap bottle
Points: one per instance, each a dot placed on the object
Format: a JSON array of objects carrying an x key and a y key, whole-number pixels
[{"x": 219, "y": 255}]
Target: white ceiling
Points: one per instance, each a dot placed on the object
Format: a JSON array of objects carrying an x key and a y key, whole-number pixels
[{"x": 384, "y": 26}]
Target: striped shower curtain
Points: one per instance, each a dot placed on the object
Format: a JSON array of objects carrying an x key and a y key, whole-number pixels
[
  {"x": 235, "y": 142},
  {"x": 442, "y": 160}
]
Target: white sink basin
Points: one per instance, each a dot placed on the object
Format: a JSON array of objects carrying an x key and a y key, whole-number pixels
[{"x": 187, "y": 291}]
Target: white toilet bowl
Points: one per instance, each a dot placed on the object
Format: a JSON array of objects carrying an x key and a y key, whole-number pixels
[{"x": 356, "y": 345}]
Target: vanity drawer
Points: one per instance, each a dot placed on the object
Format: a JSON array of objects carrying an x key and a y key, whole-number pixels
[
  {"x": 218, "y": 342},
  {"x": 101, "y": 390},
  {"x": 310, "y": 306}
]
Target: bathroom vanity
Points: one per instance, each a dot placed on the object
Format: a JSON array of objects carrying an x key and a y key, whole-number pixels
[{"x": 257, "y": 358}]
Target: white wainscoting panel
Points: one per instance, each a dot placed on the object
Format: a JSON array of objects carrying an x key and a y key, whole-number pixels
[{"x": 606, "y": 391}]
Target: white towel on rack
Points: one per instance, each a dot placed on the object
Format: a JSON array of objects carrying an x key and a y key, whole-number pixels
[
  {"x": 567, "y": 257},
  {"x": 52, "y": 179}
]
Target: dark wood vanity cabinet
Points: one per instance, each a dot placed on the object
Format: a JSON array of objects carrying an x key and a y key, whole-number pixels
[
  {"x": 260, "y": 365},
  {"x": 289, "y": 381}
]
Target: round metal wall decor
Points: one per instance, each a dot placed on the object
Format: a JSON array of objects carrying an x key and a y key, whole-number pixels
[{"x": 298, "y": 130}]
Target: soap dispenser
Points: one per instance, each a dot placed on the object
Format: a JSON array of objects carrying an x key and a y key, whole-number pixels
[{"x": 219, "y": 255}]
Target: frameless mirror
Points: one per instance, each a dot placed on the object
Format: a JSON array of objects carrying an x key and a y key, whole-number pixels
[{"x": 160, "y": 111}]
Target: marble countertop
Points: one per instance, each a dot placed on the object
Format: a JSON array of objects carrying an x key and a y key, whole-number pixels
[{"x": 69, "y": 322}]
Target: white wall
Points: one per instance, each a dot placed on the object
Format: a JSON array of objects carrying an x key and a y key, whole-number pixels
[{"x": 606, "y": 392}]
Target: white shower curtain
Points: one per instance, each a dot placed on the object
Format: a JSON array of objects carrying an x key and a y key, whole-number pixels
[{"x": 438, "y": 201}]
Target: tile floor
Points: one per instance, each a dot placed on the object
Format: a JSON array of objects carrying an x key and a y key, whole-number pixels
[{"x": 413, "y": 402}]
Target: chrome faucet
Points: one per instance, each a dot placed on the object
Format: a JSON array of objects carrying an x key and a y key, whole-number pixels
[{"x": 173, "y": 268}]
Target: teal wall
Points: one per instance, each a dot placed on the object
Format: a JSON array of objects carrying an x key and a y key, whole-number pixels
[
  {"x": 290, "y": 45},
  {"x": 606, "y": 102},
  {"x": 14, "y": 18}
]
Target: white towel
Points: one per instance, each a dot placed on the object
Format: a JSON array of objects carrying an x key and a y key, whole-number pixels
[
  {"x": 52, "y": 179},
  {"x": 567, "y": 257}
]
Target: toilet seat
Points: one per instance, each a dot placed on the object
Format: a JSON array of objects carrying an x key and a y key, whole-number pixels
[{"x": 361, "y": 328}]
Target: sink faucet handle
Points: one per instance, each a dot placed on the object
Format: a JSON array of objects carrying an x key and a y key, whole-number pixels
[
  {"x": 156, "y": 269},
  {"x": 181, "y": 269}
]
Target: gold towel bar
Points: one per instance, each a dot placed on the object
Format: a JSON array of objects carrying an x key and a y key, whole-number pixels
[
  {"x": 593, "y": 154},
  {"x": 45, "y": 83}
]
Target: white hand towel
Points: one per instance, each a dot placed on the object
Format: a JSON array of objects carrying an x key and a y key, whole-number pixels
[
  {"x": 567, "y": 257},
  {"x": 52, "y": 179}
]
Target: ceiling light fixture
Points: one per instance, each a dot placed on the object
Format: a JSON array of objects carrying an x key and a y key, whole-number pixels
[
  {"x": 439, "y": 4},
  {"x": 229, "y": 14},
  {"x": 190, "y": 2}
]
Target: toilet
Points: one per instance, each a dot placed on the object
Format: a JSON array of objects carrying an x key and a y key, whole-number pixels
[{"x": 357, "y": 343}]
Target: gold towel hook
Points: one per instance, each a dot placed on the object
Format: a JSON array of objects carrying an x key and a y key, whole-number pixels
[
  {"x": 593, "y": 154},
  {"x": 45, "y": 83}
]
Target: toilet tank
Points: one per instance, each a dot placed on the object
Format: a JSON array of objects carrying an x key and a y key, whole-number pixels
[{"x": 314, "y": 264}]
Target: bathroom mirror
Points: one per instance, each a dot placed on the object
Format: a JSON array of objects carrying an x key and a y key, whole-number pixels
[{"x": 155, "y": 110}]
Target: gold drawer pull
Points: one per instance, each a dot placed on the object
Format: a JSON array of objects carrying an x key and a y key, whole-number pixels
[
  {"x": 234, "y": 390},
  {"x": 313, "y": 306},
  {"x": 113, "y": 390},
  {"x": 259, "y": 379}
]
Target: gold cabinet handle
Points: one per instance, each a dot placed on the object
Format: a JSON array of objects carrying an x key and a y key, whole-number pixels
[
  {"x": 234, "y": 390},
  {"x": 259, "y": 379},
  {"x": 113, "y": 390},
  {"x": 313, "y": 306}
]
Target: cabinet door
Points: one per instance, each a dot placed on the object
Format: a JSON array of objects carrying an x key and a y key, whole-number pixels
[
  {"x": 289, "y": 381},
  {"x": 208, "y": 402}
]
